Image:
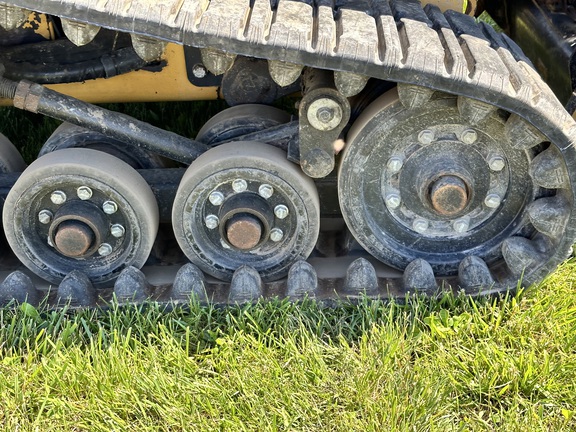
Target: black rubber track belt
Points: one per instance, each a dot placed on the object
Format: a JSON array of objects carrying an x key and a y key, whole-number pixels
[{"x": 390, "y": 40}]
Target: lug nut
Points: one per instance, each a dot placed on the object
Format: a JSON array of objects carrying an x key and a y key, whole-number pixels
[
  {"x": 492, "y": 200},
  {"x": 109, "y": 207},
  {"x": 216, "y": 198},
  {"x": 420, "y": 225},
  {"x": 393, "y": 200},
  {"x": 469, "y": 136},
  {"x": 239, "y": 185},
  {"x": 45, "y": 216},
  {"x": 281, "y": 211},
  {"x": 276, "y": 234},
  {"x": 266, "y": 191},
  {"x": 395, "y": 164},
  {"x": 117, "y": 230},
  {"x": 461, "y": 225},
  {"x": 496, "y": 163},
  {"x": 426, "y": 136},
  {"x": 58, "y": 197},
  {"x": 105, "y": 249},
  {"x": 84, "y": 193},
  {"x": 211, "y": 221}
]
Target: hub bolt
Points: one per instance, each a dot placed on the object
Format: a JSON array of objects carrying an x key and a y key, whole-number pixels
[
  {"x": 496, "y": 163},
  {"x": 281, "y": 211},
  {"x": 426, "y": 136},
  {"x": 45, "y": 217},
  {"x": 469, "y": 136},
  {"x": 395, "y": 164},
  {"x": 109, "y": 207},
  {"x": 211, "y": 221},
  {"x": 276, "y": 234},
  {"x": 266, "y": 191},
  {"x": 117, "y": 230},
  {"x": 420, "y": 225},
  {"x": 239, "y": 185},
  {"x": 84, "y": 193},
  {"x": 492, "y": 200},
  {"x": 58, "y": 197},
  {"x": 216, "y": 198},
  {"x": 199, "y": 71},
  {"x": 461, "y": 225},
  {"x": 105, "y": 249},
  {"x": 393, "y": 200}
]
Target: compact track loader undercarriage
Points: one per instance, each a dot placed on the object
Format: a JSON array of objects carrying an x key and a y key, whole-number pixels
[{"x": 427, "y": 155}]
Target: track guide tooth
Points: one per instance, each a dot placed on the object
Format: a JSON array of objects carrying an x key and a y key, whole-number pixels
[
  {"x": 76, "y": 290},
  {"x": 284, "y": 73},
  {"x": 147, "y": 48},
  {"x": 361, "y": 278},
  {"x": 413, "y": 96},
  {"x": 19, "y": 287},
  {"x": 246, "y": 285},
  {"x": 349, "y": 84},
  {"x": 520, "y": 254},
  {"x": 474, "y": 273},
  {"x": 217, "y": 62},
  {"x": 548, "y": 170},
  {"x": 189, "y": 282},
  {"x": 550, "y": 215},
  {"x": 302, "y": 281},
  {"x": 12, "y": 17},
  {"x": 522, "y": 135},
  {"x": 79, "y": 33},
  {"x": 419, "y": 276},
  {"x": 131, "y": 286},
  {"x": 474, "y": 111}
]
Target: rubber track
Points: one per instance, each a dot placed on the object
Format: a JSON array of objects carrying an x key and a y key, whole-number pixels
[{"x": 394, "y": 41}]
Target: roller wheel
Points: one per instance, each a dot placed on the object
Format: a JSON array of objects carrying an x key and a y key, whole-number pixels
[
  {"x": 244, "y": 204},
  {"x": 10, "y": 158},
  {"x": 465, "y": 197},
  {"x": 80, "y": 209}
]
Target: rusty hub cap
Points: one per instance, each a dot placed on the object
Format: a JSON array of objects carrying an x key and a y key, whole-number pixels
[
  {"x": 449, "y": 195},
  {"x": 73, "y": 238},
  {"x": 244, "y": 231}
]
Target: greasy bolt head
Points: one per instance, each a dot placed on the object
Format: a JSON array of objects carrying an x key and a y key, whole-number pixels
[
  {"x": 109, "y": 207},
  {"x": 105, "y": 249},
  {"x": 394, "y": 164},
  {"x": 117, "y": 230},
  {"x": 239, "y": 185},
  {"x": 211, "y": 221},
  {"x": 461, "y": 225},
  {"x": 420, "y": 225},
  {"x": 492, "y": 200},
  {"x": 325, "y": 114},
  {"x": 426, "y": 136},
  {"x": 276, "y": 234},
  {"x": 58, "y": 197},
  {"x": 199, "y": 71},
  {"x": 45, "y": 216},
  {"x": 281, "y": 211},
  {"x": 216, "y": 198},
  {"x": 393, "y": 200},
  {"x": 469, "y": 136},
  {"x": 266, "y": 191},
  {"x": 496, "y": 163},
  {"x": 84, "y": 193},
  {"x": 244, "y": 231}
]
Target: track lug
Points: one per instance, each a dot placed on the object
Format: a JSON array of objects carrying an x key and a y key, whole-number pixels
[
  {"x": 246, "y": 285},
  {"x": 419, "y": 276},
  {"x": 302, "y": 281},
  {"x": 19, "y": 287},
  {"x": 548, "y": 169},
  {"x": 349, "y": 84},
  {"x": 520, "y": 254},
  {"x": 550, "y": 215},
  {"x": 76, "y": 290},
  {"x": 217, "y": 62},
  {"x": 361, "y": 278},
  {"x": 79, "y": 33},
  {"x": 147, "y": 48},
  {"x": 131, "y": 286},
  {"x": 284, "y": 73},
  {"x": 413, "y": 96},
  {"x": 189, "y": 282},
  {"x": 12, "y": 17},
  {"x": 522, "y": 135},
  {"x": 474, "y": 111},
  {"x": 474, "y": 273}
]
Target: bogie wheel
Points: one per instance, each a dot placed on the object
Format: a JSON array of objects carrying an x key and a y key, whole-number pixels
[
  {"x": 453, "y": 201},
  {"x": 10, "y": 158},
  {"x": 243, "y": 203},
  {"x": 80, "y": 209}
]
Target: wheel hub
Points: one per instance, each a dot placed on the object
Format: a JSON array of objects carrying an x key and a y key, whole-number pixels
[
  {"x": 73, "y": 238},
  {"x": 244, "y": 231},
  {"x": 449, "y": 195}
]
